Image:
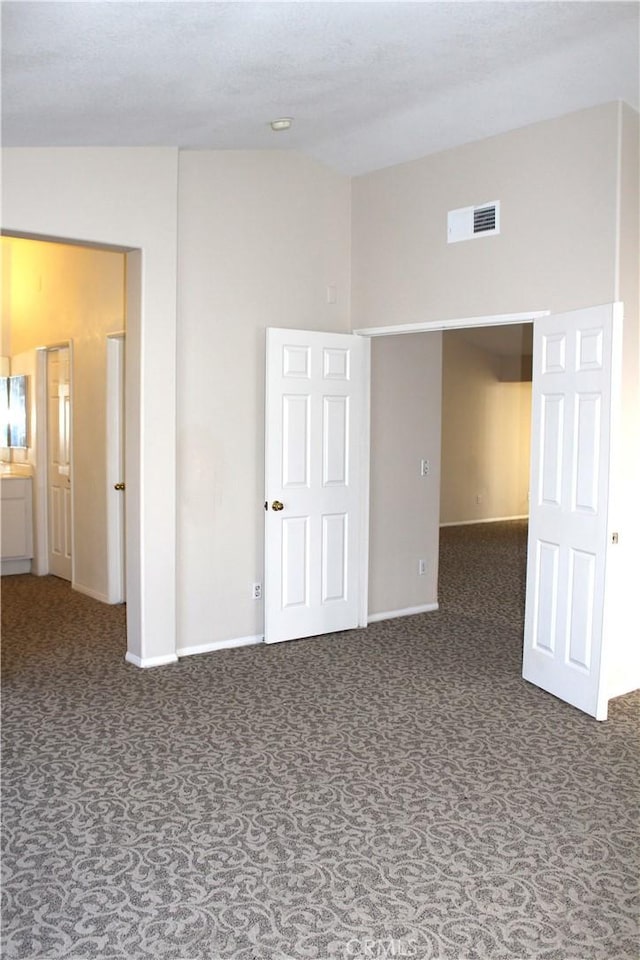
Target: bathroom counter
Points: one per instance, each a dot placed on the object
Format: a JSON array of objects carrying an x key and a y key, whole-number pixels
[{"x": 15, "y": 470}]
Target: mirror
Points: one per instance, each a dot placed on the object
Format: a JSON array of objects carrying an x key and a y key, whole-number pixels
[
  {"x": 4, "y": 411},
  {"x": 13, "y": 412}
]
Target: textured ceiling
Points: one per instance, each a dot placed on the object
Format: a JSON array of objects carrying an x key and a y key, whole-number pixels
[{"x": 368, "y": 83}]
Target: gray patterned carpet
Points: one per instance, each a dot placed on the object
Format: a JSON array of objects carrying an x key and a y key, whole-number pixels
[{"x": 398, "y": 791}]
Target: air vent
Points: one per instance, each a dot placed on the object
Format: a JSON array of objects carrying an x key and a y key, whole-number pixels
[
  {"x": 484, "y": 219},
  {"x": 468, "y": 223}
]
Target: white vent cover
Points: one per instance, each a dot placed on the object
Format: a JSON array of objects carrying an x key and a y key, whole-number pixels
[{"x": 468, "y": 223}]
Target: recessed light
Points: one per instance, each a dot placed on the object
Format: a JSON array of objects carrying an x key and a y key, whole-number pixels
[{"x": 282, "y": 124}]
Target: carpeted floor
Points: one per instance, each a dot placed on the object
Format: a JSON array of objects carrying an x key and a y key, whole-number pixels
[{"x": 398, "y": 791}]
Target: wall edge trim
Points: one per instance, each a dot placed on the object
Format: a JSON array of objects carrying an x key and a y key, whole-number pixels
[
  {"x": 493, "y": 320},
  {"x": 89, "y": 592},
  {"x": 406, "y": 612},
  {"x": 219, "y": 645},
  {"x": 468, "y": 523},
  {"x": 146, "y": 662}
]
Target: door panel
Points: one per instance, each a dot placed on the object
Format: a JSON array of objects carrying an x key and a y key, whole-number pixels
[
  {"x": 295, "y": 562},
  {"x": 295, "y": 442},
  {"x": 576, "y": 361},
  {"x": 315, "y": 393},
  {"x": 334, "y": 557},
  {"x": 335, "y": 451},
  {"x": 57, "y": 527}
]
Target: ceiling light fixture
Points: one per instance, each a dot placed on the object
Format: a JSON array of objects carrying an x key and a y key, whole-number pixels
[{"x": 282, "y": 124}]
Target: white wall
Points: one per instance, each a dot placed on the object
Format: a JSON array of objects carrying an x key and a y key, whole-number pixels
[
  {"x": 556, "y": 182},
  {"x": 261, "y": 235},
  {"x": 406, "y": 389},
  {"x": 124, "y": 197},
  {"x": 486, "y": 435},
  {"x": 5, "y": 324}
]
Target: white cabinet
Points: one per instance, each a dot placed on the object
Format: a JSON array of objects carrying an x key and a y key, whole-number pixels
[{"x": 16, "y": 538}]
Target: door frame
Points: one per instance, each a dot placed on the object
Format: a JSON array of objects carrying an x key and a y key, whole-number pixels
[
  {"x": 459, "y": 323},
  {"x": 365, "y": 489},
  {"x": 115, "y": 506},
  {"x": 40, "y": 565}
]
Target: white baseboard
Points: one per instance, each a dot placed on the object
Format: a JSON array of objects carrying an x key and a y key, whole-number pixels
[
  {"x": 145, "y": 662},
  {"x": 219, "y": 645},
  {"x": 466, "y": 523},
  {"x": 89, "y": 592},
  {"x": 407, "y": 612},
  {"x": 625, "y": 687},
  {"x": 11, "y": 567}
]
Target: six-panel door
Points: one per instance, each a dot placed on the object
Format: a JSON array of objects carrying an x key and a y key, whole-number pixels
[
  {"x": 576, "y": 359},
  {"x": 314, "y": 406}
]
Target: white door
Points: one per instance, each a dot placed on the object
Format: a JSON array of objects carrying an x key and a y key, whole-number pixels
[
  {"x": 314, "y": 437},
  {"x": 59, "y": 462},
  {"x": 575, "y": 387},
  {"x": 116, "y": 592}
]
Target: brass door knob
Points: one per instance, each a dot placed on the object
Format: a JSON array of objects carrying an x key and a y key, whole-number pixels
[
  {"x": 118, "y": 486},
  {"x": 276, "y": 505}
]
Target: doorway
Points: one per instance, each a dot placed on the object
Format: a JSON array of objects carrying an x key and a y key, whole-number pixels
[
  {"x": 406, "y": 444},
  {"x": 485, "y": 462},
  {"x": 71, "y": 298},
  {"x": 486, "y": 424}
]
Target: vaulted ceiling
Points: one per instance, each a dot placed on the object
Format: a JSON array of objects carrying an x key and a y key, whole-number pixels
[{"x": 369, "y": 84}]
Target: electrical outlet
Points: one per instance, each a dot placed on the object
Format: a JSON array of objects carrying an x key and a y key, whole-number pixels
[
  {"x": 422, "y": 568},
  {"x": 478, "y": 498},
  {"x": 256, "y": 591},
  {"x": 425, "y": 468}
]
